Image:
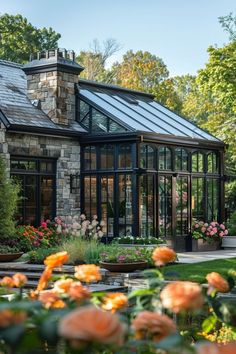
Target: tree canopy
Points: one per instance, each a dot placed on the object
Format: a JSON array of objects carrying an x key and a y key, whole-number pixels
[{"x": 19, "y": 38}]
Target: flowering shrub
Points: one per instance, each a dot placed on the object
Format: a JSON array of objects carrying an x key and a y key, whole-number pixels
[
  {"x": 209, "y": 231},
  {"x": 79, "y": 226},
  {"x": 30, "y": 237},
  {"x": 125, "y": 255},
  {"x": 69, "y": 319}
]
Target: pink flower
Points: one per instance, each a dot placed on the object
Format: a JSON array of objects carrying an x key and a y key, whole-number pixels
[
  {"x": 196, "y": 226},
  {"x": 212, "y": 233},
  {"x": 213, "y": 223},
  {"x": 121, "y": 258},
  {"x": 222, "y": 226},
  {"x": 215, "y": 230},
  {"x": 203, "y": 229},
  {"x": 43, "y": 224},
  {"x": 221, "y": 234},
  {"x": 226, "y": 232}
]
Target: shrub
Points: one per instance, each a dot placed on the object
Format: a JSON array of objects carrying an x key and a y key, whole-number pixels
[
  {"x": 136, "y": 240},
  {"x": 209, "y": 231},
  {"x": 8, "y": 203},
  {"x": 118, "y": 254},
  {"x": 232, "y": 224}
]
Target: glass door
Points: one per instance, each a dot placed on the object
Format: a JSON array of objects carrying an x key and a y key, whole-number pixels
[
  {"x": 165, "y": 207},
  {"x": 182, "y": 212}
]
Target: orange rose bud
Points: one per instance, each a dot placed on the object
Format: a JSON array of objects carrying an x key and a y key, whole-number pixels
[
  {"x": 182, "y": 296},
  {"x": 9, "y": 318},
  {"x": 63, "y": 285},
  {"x": 88, "y": 273},
  {"x": 217, "y": 283},
  {"x": 50, "y": 298},
  {"x": 78, "y": 292},
  {"x": 19, "y": 280},
  {"x": 153, "y": 326},
  {"x": 114, "y": 301},
  {"x": 56, "y": 259},
  {"x": 89, "y": 324},
  {"x": 8, "y": 282},
  {"x": 163, "y": 255}
]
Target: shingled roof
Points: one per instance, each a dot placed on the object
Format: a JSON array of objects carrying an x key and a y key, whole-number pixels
[{"x": 16, "y": 110}]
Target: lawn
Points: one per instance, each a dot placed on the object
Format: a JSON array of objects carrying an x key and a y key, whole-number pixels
[{"x": 197, "y": 271}]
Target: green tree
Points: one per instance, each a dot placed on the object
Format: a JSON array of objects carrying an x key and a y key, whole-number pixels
[
  {"x": 19, "y": 38},
  {"x": 228, "y": 23}
]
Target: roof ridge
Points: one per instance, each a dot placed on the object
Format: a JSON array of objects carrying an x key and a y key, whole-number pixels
[
  {"x": 10, "y": 63},
  {"x": 115, "y": 87}
]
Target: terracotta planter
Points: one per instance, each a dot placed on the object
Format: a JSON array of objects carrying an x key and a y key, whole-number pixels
[
  {"x": 203, "y": 246},
  {"x": 124, "y": 267},
  {"x": 8, "y": 257}
]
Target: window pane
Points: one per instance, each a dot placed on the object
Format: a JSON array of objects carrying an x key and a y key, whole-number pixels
[
  {"x": 90, "y": 196},
  {"x": 30, "y": 199},
  {"x": 181, "y": 159},
  {"x": 23, "y": 165},
  {"x": 115, "y": 127},
  {"x": 212, "y": 199},
  {"x": 46, "y": 198},
  {"x": 99, "y": 122},
  {"x": 181, "y": 206},
  {"x": 164, "y": 158},
  {"x": 107, "y": 204},
  {"x": 146, "y": 157},
  {"x": 165, "y": 206},
  {"x": 197, "y": 162},
  {"x": 212, "y": 163},
  {"x": 125, "y": 205},
  {"x": 147, "y": 205},
  {"x": 84, "y": 109},
  {"x": 46, "y": 166},
  {"x": 90, "y": 161},
  {"x": 125, "y": 156},
  {"x": 197, "y": 198},
  {"x": 107, "y": 156}
]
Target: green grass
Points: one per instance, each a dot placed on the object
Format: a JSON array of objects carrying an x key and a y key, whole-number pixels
[{"x": 198, "y": 271}]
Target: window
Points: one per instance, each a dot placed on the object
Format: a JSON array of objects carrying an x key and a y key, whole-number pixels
[
  {"x": 164, "y": 155},
  {"x": 181, "y": 206},
  {"x": 125, "y": 156},
  {"x": 107, "y": 156},
  {"x": 99, "y": 122},
  {"x": 197, "y": 198},
  {"x": 197, "y": 162},
  {"x": 37, "y": 181},
  {"x": 125, "y": 205},
  {"x": 181, "y": 159},
  {"x": 90, "y": 196},
  {"x": 90, "y": 158},
  {"x": 212, "y": 199},
  {"x": 147, "y": 205},
  {"x": 147, "y": 157},
  {"x": 107, "y": 204},
  {"x": 212, "y": 163},
  {"x": 165, "y": 206}
]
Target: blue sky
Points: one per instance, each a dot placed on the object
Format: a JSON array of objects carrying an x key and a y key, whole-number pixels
[{"x": 178, "y": 31}]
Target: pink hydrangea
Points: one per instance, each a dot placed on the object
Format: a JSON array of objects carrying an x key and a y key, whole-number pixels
[
  {"x": 221, "y": 234},
  {"x": 222, "y": 226}
]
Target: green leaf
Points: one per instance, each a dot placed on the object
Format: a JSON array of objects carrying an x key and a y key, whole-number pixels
[
  {"x": 170, "y": 342},
  {"x": 141, "y": 292},
  {"x": 12, "y": 335},
  {"x": 209, "y": 323}
]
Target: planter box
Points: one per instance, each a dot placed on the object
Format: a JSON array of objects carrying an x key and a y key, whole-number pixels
[
  {"x": 124, "y": 267},
  {"x": 203, "y": 246},
  {"x": 229, "y": 242}
]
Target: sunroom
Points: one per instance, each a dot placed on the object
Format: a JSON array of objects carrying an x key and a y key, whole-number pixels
[{"x": 146, "y": 171}]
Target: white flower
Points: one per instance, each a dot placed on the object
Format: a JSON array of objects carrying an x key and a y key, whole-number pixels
[
  {"x": 82, "y": 217},
  {"x": 102, "y": 223},
  {"x": 100, "y": 233}
]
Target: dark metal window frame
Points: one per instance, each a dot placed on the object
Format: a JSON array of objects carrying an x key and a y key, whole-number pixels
[{"x": 38, "y": 173}]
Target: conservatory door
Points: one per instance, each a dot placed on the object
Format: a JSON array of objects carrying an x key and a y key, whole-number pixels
[{"x": 181, "y": 217}]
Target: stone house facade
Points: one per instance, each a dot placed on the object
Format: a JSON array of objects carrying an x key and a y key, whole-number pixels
[{"x": 81, "y": 146}]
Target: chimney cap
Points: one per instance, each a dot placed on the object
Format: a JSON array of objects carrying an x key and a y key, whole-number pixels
[{"x": 58, "y": 59}]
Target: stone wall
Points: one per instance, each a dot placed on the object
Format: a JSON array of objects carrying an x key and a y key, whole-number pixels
[
  {"x": 56, "y": 92},
  {"x": 65, "y": 150}
]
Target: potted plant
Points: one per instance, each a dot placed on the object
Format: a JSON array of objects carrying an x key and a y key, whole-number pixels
[
  {"x": 8, "y": 204},
  {"x": 120, "y": 259},
  {"x": 138, "y": 241},
  {"x": 229, "y": 242},
  {"x": 207, "y": 236}
]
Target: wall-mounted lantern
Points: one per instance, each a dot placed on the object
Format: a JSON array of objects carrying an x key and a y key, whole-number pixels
[{"x": 74, "y": 183}]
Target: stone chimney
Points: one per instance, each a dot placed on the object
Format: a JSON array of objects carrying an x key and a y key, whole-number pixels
[{"x": 51, "y": 79}]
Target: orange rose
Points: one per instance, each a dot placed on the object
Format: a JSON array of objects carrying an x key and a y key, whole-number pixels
[
  {"x": 163, "y": 255},
  {"x": 213, "y": 348},
  {"x": 90, "y": 324},
  {"x": 19, "y": 280},
  {"x": 50, "y": 298},
  {"x": 153, "y": 326},
  {"x": 182, "y": 295},
  {"x": 114, "y": 301},
  {"x": 78, "y": 292},
  {"x": 217, "y": 283},
  {"x": 88, "y": 273},
  {"x": 63, "y": 285},
  {"x": 56, "y": 259},
  {"x": 8, "y": 282},
  {"x": 43, "y": 281},
  {"x": 9, "y": 318}
]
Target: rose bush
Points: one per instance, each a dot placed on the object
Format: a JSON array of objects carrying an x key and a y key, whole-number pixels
[{"x": 65, "y": 317}]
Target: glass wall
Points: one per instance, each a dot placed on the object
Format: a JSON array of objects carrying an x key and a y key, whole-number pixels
[{"x": 150, "y": 189}]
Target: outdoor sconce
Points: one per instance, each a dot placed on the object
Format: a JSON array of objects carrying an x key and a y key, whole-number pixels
[{"x": 74, "y": 182}]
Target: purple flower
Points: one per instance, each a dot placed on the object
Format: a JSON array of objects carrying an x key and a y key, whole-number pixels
[{"x": 121, "y": 258}]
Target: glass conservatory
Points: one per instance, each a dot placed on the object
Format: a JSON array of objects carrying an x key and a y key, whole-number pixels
[{"x": 145, "y": 170}]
